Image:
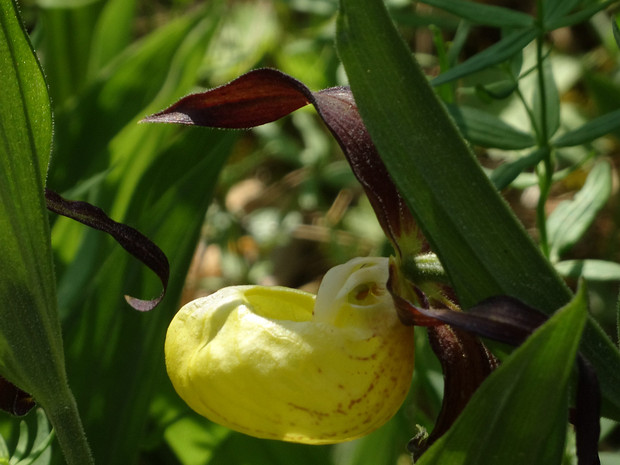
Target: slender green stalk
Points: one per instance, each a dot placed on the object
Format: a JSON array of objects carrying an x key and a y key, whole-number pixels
[
  {"x": 545, "y": 170},
  {"x": 64, "y": 417}
]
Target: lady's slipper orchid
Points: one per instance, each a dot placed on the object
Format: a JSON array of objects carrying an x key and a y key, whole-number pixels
[{"x": 278, "y": 363}]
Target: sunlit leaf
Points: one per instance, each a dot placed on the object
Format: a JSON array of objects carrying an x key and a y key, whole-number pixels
[
  {"x": 30, "y": 337},
  {"x": 27, "y": 287},
  {"x": 571, "y": 218},
  {"x": 589, "y": 269}
]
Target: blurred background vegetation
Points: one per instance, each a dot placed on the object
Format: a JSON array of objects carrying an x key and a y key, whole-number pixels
[{"x": 274, "y": 205}]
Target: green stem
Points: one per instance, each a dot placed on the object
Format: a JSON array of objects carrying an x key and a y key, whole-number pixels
[
  {"x": 545, "y": 172},
  {"x": 64, "y": 416}
]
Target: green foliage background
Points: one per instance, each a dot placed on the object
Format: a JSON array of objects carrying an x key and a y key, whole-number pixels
[{"x": 284, "y": 190}]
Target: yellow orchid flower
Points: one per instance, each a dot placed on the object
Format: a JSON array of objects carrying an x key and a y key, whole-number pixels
[{"x": 279, "y": 363}]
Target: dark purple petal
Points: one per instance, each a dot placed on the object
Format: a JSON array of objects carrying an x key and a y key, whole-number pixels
[
  {"x": 13, "y": 400},
  {"x": 265, "y": 95},
  {"x": 466, "y": 363},
  {"x": 258, "y": 97},
  {"x": 133, "y": 241},
  {"x": 337, "y": 108},
  {"x": 587, "y": 413}
]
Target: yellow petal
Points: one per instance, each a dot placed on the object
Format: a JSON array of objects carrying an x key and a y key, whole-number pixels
[{"x": 273, "y": 363}]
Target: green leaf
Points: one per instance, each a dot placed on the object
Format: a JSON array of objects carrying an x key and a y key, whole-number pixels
[
  {"x": 616, "y": 29},
  {"x": 480, "y": 13},
  {"x": 22, "y": 442},
  {"x": 551, "y": 113},
  {"x": 65, "y": 52},
  {"x": 577, "y": 17},
  {"x": 112, "y": 33},
  {"x": 504, "y": 174},
  {"x": 554, "y": 9},
  {"x": 593, "y": 129},
  {"x": 4, "y": 451},
  {"x": 120, "y": 94},
  {"x": 499, "y": 52},
  {"x": 592, "y": 270},
  {"x": 158, "y": 180},
  {"x": 518, "y": 416},
  {"x": 571, "y": 218},
  {"x": 484, "y": 250},
  {"x": 487, "y": 130},
  {"x": 31, "y": 348},
  {"x": 27, "y": 288},
  {"x": 41, "y": 452}
]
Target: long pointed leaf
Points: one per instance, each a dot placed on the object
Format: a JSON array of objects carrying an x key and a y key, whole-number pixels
[
  {"x": 593, "y": 129},
  {"x": 506, "y": 48},
  {"x": 27, "y": 287},
  {"x": 487, "y": 130},
  {"x": 31, "y": 348},
  {"x": 480, "y": 13}
]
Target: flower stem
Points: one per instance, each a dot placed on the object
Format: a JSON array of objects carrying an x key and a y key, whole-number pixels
[{"x": 64, "y": 416}]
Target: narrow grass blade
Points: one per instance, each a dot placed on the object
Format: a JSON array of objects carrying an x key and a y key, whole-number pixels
[
  {"x": 480, "y": 13},
  {"x": 487, "y": 130},
  {"x": 504, "y": 174},
  {"x": 593, "y": 129},
  {"x": 589, "y": 269},
  {"x": 577, "y": 17},
  {"x": 506, "y": 48},
  {"x": 554, "y": 9}
]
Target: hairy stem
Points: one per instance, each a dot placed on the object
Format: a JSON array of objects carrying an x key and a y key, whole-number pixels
[{"x": 64, "y": 416}]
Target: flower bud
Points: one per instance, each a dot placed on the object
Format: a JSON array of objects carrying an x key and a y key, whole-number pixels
[{"x": 276, "y": 363}]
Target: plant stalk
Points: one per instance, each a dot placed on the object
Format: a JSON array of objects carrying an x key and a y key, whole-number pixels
[
  {"x": 545, "y": 172},
  {"x": 64, "y": 417}
]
